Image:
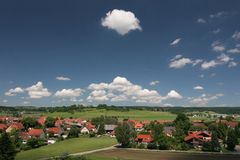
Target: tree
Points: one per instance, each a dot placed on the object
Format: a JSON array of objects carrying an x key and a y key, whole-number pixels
[
  {"x": 33, "y": 143},
  {"x": 125, "y": 134},
  {"x": 50, "y": 122},
  {"x": 231, "y": 140},
  {"x": 7, "y": 148},
  {"x": 29, "y": 122},
  {"x": 215, "y": 146},
  {"x": 74, "y": 132},
  {"x": 182, "y": 122}
]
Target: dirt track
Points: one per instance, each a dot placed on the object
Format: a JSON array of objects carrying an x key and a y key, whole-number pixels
[{"x": 151, "y": 155}]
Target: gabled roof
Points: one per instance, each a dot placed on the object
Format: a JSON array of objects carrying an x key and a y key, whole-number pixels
[
  {"x": 197, "y": 135},
  {"x": 232, "y": 124},
  {"x": 138, "y": 125},
  {"x": 58, "y": 123},
  {"x": 17, "y": 126},
  {"x": 3, "y": 126},
  {"x": 35, "y": 132},
  {"x": 54, "y": 130},
  {"x": 144, "y": 138},
  {"x": 42, "y": 120}
]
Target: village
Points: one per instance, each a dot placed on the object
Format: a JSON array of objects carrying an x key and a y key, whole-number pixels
[{"x": 28, "y": 135}]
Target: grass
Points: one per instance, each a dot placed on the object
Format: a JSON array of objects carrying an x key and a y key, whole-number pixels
[
  {"x": 74, "y": 145},
  {"x": 132, "y": 114}
]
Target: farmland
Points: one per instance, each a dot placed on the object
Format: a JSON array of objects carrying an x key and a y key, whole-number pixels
[{"x": 74, "y": 145}]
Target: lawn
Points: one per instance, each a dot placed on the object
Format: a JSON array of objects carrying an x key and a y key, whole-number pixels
[
  {"x": 132, "y": 114},
  {"x": 74, "y": 145}
]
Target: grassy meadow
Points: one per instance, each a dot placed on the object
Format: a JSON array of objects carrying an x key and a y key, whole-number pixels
[
  {"x": 132, "y": 114},
  {"x": 74, "y": 145}
]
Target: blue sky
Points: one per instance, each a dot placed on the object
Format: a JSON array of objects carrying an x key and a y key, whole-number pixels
[{"x": 120, "y": 52}]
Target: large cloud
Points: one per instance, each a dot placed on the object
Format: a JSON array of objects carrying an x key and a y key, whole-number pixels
[
  {"x": 121, "y": 21},
  {"x": 38, "y": 91},
  {"x": 121, "y": 89}
]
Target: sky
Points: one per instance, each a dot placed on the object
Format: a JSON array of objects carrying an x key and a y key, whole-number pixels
[{"x": 122, "y": 52}]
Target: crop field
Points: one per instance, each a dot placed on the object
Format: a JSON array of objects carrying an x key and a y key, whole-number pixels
[
  {"x": 123, "y": 154},
  {"x": 74, "y": 145}
]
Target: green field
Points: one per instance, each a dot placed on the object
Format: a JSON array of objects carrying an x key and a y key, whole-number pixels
[
  {"x": 74, "y": 145},
  {"x": 132, "y": 114}
]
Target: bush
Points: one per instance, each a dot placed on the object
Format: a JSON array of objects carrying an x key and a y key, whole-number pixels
[
  {"x": 141, "y": 146},
  {"x": 92, "y": 134},
  {"x": 152, "y": 145}
]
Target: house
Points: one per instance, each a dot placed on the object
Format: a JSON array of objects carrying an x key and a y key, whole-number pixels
[
  {"x": 169, "y": 130},
  {"x": 3, "y": 127},
  {"x": 144, "y": 138},
  {"x": 138, "y": 127},
  {"x": 24, "y": 137},
  {"x": 42, "y": 120},
  {"x": 16, "y": 126},
  {"x": 197, "y": 138},
  {"x": 58, "y": 123},
  {"x": 55, "y": 131},
  {"x": 36, "y": 133},
  {"x": 91, "y": 127},
  {"x": 109, "y": 128},
  {"x": 232, "y": 124},
  {"x": 85, "y": 130}
]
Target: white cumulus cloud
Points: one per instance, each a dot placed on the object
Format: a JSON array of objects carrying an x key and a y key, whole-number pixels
[
  {"x": 236, "y": 35},
  {"x": 153, "y": 83},
  {"x": 121, "y": 21},
  {"x": 38, "y": 91},
  {"x": 69, "y": 93},
  {"x": 218, "y": 46},
  {"x": 121, "y": 89},
  {"x": 14, "y": 92}
]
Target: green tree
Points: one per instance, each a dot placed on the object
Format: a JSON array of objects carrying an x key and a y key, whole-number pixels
[
  {"x": 29, "y": 122},
  {"x": 125, "y": 134},
  {"x": 50, "y": 122},
  {"x": 215, "y": 146},
  {"x": 74, "y": 132},
  {"x": 7, "y": 148},
  {"x": 231, "y": 140},
  {"x": 33, "y": 143},
  {"x": 182, "y": 122}
]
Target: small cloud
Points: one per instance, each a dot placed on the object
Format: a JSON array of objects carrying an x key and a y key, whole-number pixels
[
  {"x": 14, "y": 92},
  {"x": 234, "y": 51},
  {"x": 175, "y": 42},
  {"x": 179, "y": 62},
  {"x": 69, "y": 93},
  {"x": 201, "y": 76},
  {"x": 206, "y": 65},
  {"x": 232, "y": 64},
  {"x": 174, "y": 94},
  {"x": 217, "y": 46},
  {"x": 201, "y": 20},
  {"x": 198, "y": 88},
  {"x": 153, "y": 83},
  {"x": 26, "y": 102},
  {"x": 216, "y": 31},
  {"x": 218, "y": 15},
  {"x": 62, "y": 78},
  {"x": 5, "y": 101},
  {"x": 236, "y": 35},
  {"x": 121, "y": 21}
]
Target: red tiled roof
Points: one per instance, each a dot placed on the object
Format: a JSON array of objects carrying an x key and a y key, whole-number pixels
[
  {"x": 24, "y": 135},
  {"x": 164, "y": 121},
  {"x": 17, "y": 126},
  {"x": 42, "y": 120},
  {"x": 54, "y": 130},
  {"x": 144, "y": 138},
  {"x": 3, "y": 126},
  {"x": 138, "y": 125},
  {"x": 232, "y": 124},
  {"x": 197, "y": 135},
  {"x": 90, "y": 126},
  {"x": 35, "y": 132},
  {"x": 58, "y": 123}
]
